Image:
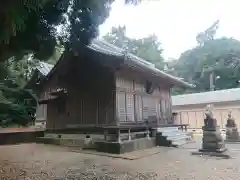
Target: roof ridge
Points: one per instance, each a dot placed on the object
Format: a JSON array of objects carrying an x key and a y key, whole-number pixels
[{"x": 123, "y": 51}]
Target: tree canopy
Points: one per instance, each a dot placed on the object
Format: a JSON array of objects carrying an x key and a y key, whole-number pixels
[
  {"x": 17, "y": 105},
  {"x": 148, "y": 48},
  {"x": 31, "y": 26},
  {"x": 219, "y": 56}
]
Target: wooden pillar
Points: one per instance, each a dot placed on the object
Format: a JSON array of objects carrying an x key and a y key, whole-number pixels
[
  {"x": 105, "y": 134},
  {"x": 129, "y": 135},
  {"x": 148, "y": 134},
  {"x": 116, "y": 107},
  {"x": 147, "y": 131},
  {"x": 119, "y": 136},
  {"x": 126, "y": 104},
  {"x": 97, "y": 112}
]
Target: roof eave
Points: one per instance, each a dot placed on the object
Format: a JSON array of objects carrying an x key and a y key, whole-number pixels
[
  {"x": 136, "y": 62},
  {"x": 173, "y": 80}
]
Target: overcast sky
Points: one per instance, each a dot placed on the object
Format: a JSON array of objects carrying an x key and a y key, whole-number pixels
[{"x": 175, "y": 22}]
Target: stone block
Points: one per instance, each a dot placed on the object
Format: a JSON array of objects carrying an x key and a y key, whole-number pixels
[
  {"x": 219, "y": 151},
  {"x": 212, "y": 145},
  {"x": 232, "y": 133},
  {"x": 216, "y": 138},
  {"x": 210, "y": 122},
  {"x": 212, "y": 140},
  {"x": 206, "y": 128},
  {"x": 211, "y": 133},
  {"x": 20, "y": 137},
  {"x": 222, "y": 153},
  {"x": 125, "y": 146}
]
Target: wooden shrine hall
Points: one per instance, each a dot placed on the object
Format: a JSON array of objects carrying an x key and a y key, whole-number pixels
[{"x": 104, "y": 90}]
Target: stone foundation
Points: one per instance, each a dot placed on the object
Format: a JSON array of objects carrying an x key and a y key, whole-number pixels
[
  {"x": 125, "y": 146},
  {"x": 98, "y": 143},
  {"x": 81, "y": 140},
  {"x": 7, "y": 138}
]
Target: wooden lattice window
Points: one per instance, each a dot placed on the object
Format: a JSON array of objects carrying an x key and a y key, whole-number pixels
[
  {"x": 130, "y": 107},
  {"x": 138, "y": 108},
  {"x": 121, "y": 106},
  {"x": 145, "y": 108}
]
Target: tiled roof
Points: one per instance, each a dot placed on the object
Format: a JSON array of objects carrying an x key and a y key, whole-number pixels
[
  {"x": 44, "y": 68},
  {"x": 207, "y": 97},
  {"x": 107, "y": 48}
]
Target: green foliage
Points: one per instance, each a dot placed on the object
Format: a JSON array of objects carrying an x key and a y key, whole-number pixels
[
  {"x": 20, "y": 70},
  {"x": 56, "y": 55},
  {"x": 17, "y": 105},
  {"x": 220, "y": 57},
  {"x": 147, "y": 48},
  {"x": 29, "y": 26},
  {"x": 208, "y": 34}
]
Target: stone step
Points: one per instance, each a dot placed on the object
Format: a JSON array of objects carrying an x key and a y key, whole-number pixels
[
  {"x": 178, "y": 138},
  {"x": 168, "y": 129},
  {"x": 170, "y": 134},
  {"x": 179, "y": 143}
]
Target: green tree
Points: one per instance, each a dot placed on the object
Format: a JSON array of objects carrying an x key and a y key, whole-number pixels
[
  {"x": 147, "y": 48},
  {"x": 30, "y": 26},
  {"x": 59, "y": 49},
  {"x": 211, "y": 58},
  {"x": 17, "y": 105},
  {"x": 20, "y": 70},
  {"x": 208, "y": 34},
  {"x": 220, "y": 56}
]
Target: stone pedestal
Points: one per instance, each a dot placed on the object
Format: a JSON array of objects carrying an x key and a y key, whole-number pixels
[
  {"x": 212, "y": 140},
  {"x": 232, "y": 134},
  {"x": 213, "y": 143}
]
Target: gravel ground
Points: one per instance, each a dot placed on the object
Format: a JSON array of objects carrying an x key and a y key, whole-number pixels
[{"x": 36, "y": 161}]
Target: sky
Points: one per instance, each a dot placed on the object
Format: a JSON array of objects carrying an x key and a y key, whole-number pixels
[{"x": 175, "y": 22}]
